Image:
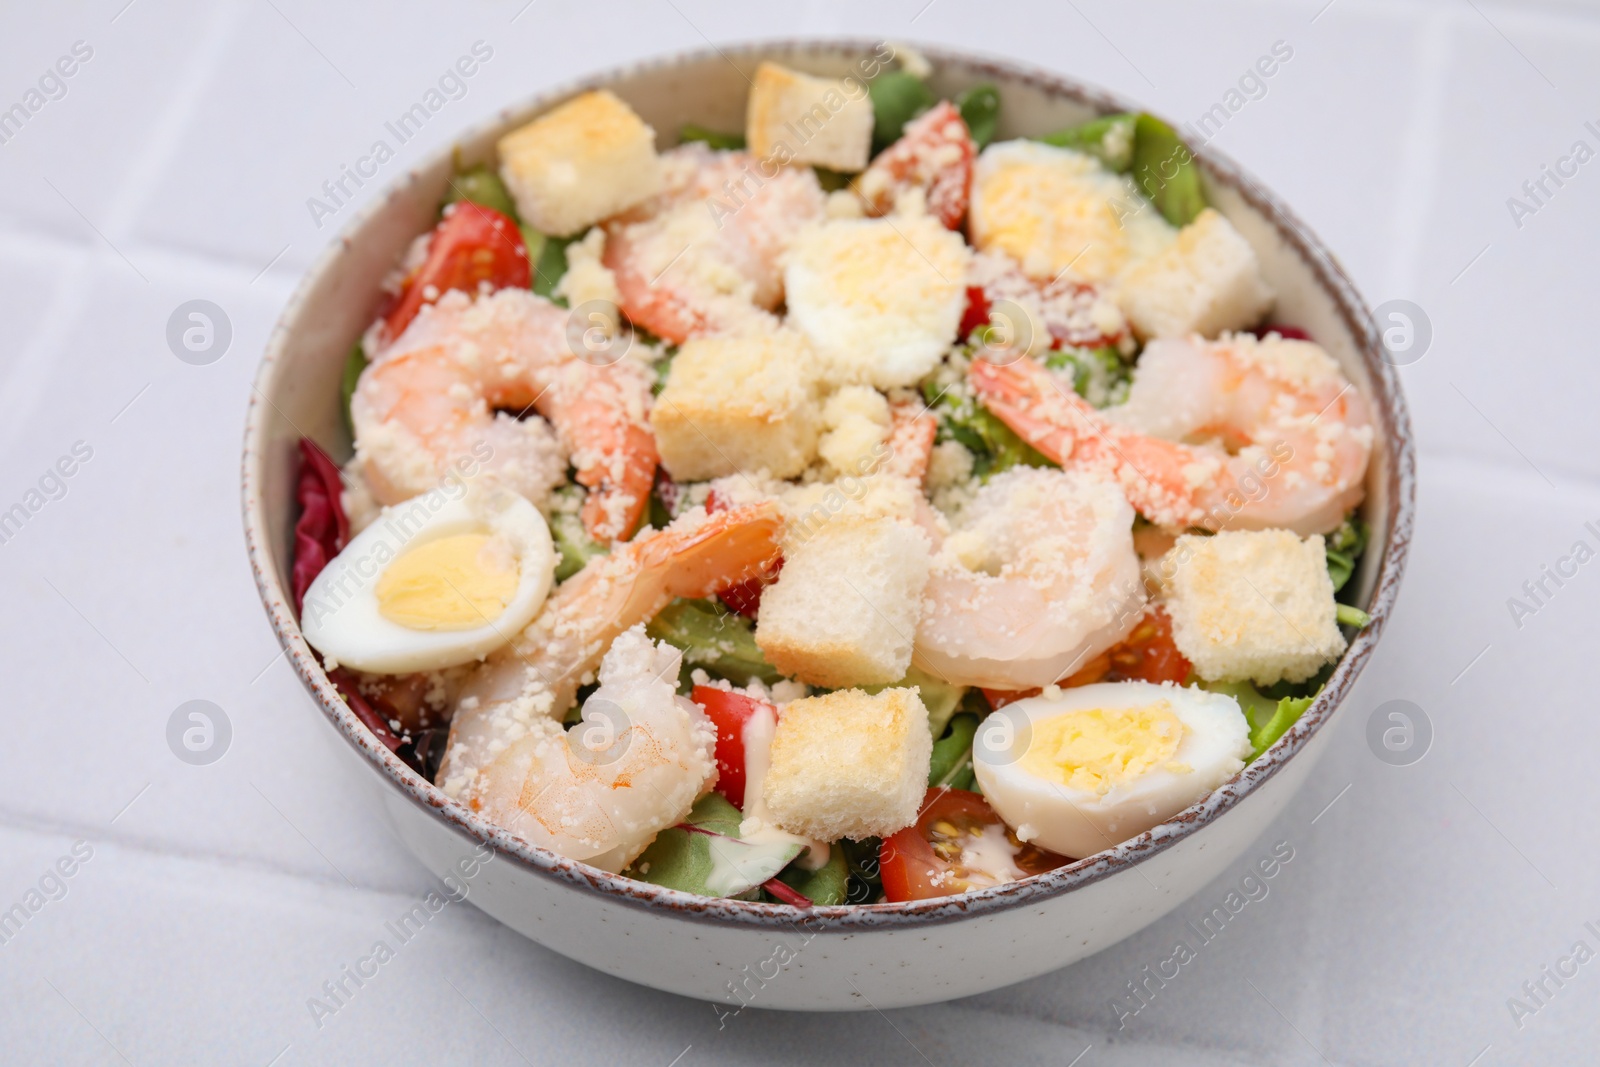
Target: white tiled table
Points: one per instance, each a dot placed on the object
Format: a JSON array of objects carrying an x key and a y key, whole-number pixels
[{"x": 218, "y": 899}]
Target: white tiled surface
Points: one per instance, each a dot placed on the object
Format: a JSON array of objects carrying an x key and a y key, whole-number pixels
[{"x": 177, "y": 166}]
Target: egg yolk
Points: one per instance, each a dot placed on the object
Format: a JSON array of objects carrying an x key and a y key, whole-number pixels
[
  {"x": 1096, "y": 748},
  {"x": 449, "y": 583},
  {"x": 1050, "y": 216}
]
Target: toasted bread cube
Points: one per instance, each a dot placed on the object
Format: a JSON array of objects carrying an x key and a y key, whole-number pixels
[
  {"x": 880, "y": 299},
  {"x": 846, "y": 764},
  {"x": 856, "y": 424},
  {"x": 1205, "y": 282},
  {"x": 796, "y": 118},
  {"x": 738, "y": 402},
  {"x": 585, "y": 161},
  {"x": 1252, "y": 605},
  {"x": 845, "y": 608}
]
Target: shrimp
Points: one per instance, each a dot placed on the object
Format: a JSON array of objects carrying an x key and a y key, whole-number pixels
[
  {"x": 536, "y": 676},
  {"x": 634, "y": 766},
  {"x": 430, "y": 400},
  {"x": 1233, "y": 433},
  {"x": 933, "y": 156},
  {"x": 911, "y": 433},
  {"x": 704, "y": 255},
  {"x": 1038, "y": 577}
]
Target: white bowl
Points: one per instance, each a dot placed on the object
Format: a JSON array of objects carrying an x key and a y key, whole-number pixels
[{"x": 775, "y": 956}]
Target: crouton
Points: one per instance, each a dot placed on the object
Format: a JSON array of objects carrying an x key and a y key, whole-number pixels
[
  {"x": 856, "y": 421},
  {"x": 846, "y": 764},
  {"x": 795, "y": 118},
  {"x": 582, "y": 162},
  {"x": 1205, "y": 282},
  {"x": 1252, "y": 606},
  {"x": 738, "y": 402},
  {"x": 880, "y": 299},
  {"x": 1059, "y": 213},
  {"x": 845, "y": 608}
]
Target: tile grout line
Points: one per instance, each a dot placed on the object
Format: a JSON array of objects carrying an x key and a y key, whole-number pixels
[
  {"x": 161, "y": 852},
  {"x": 23, "y": 385}
]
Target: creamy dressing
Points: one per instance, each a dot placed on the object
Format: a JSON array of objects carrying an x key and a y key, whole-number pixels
[
  {"x": 757, "y": 826},
  {"x": 990, "y": 858}
]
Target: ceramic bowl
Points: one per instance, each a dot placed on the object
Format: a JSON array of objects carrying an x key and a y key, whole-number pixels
[{"x": 775, "y": 956}]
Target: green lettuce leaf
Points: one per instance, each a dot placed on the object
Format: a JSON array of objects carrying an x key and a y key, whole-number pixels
[
  {"x": 1109, "y": 139},
  {"x": 827, "y": 885},
  {"x": 980, "y": 110},
  {"x": 897, "y": 98},
  {"x": 354, "y": 364},
  {"x": 1099, "y": 375},
  {"x": 1269, "y": 716},
  {"x": 711, "y": 859},
  {"x": 1287, "y": 714},
  {"x": 951, "y": 763},
  {"x": 481, "y": 185},
  {"x": 712, "y": 637},
  {"x": 549, "y": 257},
  {"x": 574, "y": 547},
  {"x": 1166, "y": 172},
  {"x": 692, "y": 132},
  {"x": 1344, "y": 547}
]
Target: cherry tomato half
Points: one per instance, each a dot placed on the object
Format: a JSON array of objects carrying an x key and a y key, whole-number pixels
[
  {"x": 473, "y": 244},
  {"x": 1148, "y": 654},
  {"x": 729, "y": 712},
  {"x": 931, "y": 859}
]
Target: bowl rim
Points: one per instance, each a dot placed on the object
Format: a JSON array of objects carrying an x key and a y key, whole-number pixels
[{"x": 1389, "y": 408}]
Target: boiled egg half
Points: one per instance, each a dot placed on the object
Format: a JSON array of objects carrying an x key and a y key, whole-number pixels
[
  {"x": 431, "y": 583},
  {"x": 1079, "y": 770}
]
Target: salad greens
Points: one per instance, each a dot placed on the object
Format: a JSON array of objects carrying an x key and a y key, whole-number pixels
[
  {"x": 1348, "y": 615},
  {"x": 1151, "y": 151},
  {"x": 1165, "y": 171},
  {"x": 704, "y": 854},
  {"x": 897, "y": 98},
  {"x": 549, "y": 261},
  {"x": 1099, "y": 375},
  {"x": 714, "y": 638},
  {"x": 952, "y": 754},
  {"x": 866, "y": 884},
  {"x": 827, "y": 885},
  {"x": 1344, "y": 547},
  {"x": 480, "y": 185},
  {"x": 831, "y": 180},
  {"x": 663, "y": 371},
  {"x": 994, "y": 445},
  {"x": 980, "y": 110},
  {"x": 574, "y": 547},
  {"x": 354, "y": 364},
  {"x": 1269, "y": 716},
  {"x": 1108, "y": 139},
  {"x": 712, "y": 138}
]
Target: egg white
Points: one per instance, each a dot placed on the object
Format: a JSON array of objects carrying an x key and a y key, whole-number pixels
[
  {"x": 1079, "y": 822},
  {"x": 341, "y": 618}
]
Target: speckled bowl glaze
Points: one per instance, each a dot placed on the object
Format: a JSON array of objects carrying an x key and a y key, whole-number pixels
[{"x": 773, "y": 956}]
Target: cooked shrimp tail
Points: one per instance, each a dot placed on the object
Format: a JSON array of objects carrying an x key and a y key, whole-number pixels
[{"x": 1229, "y": 434}]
